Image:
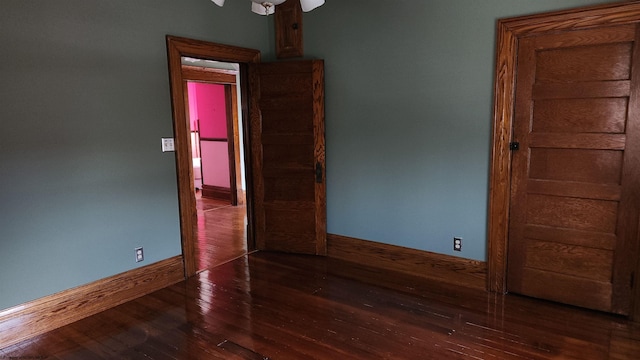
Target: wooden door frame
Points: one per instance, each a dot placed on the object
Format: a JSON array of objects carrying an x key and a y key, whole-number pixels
[
  {"x": 177, "y": 47},
  {"x": 228, "y": 80},
  {"x": 509, "y": 32}
]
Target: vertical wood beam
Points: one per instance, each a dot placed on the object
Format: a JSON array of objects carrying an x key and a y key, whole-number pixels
[{"x": 288, "y": 25}]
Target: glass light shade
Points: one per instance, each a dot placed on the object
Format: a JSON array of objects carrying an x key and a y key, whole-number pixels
[
  {"x": 261, "y": 10},
  {"x": 262, "y": 7},
  {"x": 308, "y": 5}
]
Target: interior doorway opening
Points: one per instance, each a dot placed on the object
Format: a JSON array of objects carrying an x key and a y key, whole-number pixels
[
  {"x": 212, "y": 89},
  {"x": 177, "y": 48}
]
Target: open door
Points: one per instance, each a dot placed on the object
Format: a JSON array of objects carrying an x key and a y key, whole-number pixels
[{"x": 288, "y": 156}]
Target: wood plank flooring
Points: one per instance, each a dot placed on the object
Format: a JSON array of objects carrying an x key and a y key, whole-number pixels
[
  {"x": 221, "y": 232},
  {"x": 280, "y": 306}
]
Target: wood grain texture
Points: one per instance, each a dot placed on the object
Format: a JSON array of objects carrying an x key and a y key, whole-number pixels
[
  {"x": 51, "y": 312},
  {"x": 218, "y": 76},
  {"x": 237, "y": 145},
  {"x": 230, "y": 94},
  {"x": 569, "y": 140},
  {"x": 287, "y": 135},
  {"x": 178, "y": 47},
  {"x": 423, "y": 264},
  {"x": 319, "y": 157},
  {"x": 628, "y": 230},
  {"x": 581, "y": 115},
  {"x": 586, "y": 89},
  {"x": 635, "y": 306},
  {"x": 575, "y": 290},
  {"x": 222, "y": 232},
  {"x": 288, "y": 29},
  {"x": 276, "y": 306},
  {"x": 509, "y": 33},
  {"x": 500, "y": 169},
  {"x": 608, "y": 62},
  {"x": 216, "y": 192}
]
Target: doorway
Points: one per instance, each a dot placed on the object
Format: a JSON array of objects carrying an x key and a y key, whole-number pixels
[
  {"x": 179, "y": 48},
  {"x": 521, "y": 173},
  {"x": 286, "y": 111},
  {"x": 212, "y": 90}
]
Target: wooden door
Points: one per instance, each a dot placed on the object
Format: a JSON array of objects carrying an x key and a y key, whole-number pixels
[
  {"x": 288, "y": 156},
  {"x": 576, "y": 175}
]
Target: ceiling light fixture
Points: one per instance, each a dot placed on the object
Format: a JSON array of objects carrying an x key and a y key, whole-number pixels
[{"x": 261, "y": 7}]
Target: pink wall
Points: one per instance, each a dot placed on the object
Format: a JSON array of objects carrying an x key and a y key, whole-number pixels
[
  {"x": 192, "y": 94},
  {"x": 212, "y": 110},
  {"x": 215, "y": 164},
  {"x": 208, "y": 105}
]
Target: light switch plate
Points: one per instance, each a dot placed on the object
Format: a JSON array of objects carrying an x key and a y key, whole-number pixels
[{"x": 167, "y": 144}]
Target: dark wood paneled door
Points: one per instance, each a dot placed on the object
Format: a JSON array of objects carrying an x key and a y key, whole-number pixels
[
  {"x": 573, "y": 228},
  {"x": 288, "y": 155}
]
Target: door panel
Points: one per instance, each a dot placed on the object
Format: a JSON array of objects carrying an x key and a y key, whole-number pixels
[
  {"x": 584, "y": 63},
  {"x": 574, "y": 177},
  {"x": 599, "y": 115},
  {"x": 287, "y": 134}
]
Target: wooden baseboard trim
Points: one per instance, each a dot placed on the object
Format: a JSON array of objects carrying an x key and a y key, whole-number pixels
[
  {"x": 216, "y": 192},
  {"x": 424, "y": 264},
  {"x": 51, "y": 312}
]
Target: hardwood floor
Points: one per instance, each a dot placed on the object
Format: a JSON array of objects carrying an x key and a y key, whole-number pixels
[
  {"x": 280, "y": 306},
  {"x": 221, "y": 232}
]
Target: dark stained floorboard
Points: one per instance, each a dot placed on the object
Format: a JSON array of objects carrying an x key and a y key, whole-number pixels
[
  {"x": 278, "y": 306},
  {"x": 221, "y": 232}
]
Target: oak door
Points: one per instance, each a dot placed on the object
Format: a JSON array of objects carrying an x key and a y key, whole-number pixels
[
  {"x": 288, "y": 155},
  {"x": 576, "y": 172}
]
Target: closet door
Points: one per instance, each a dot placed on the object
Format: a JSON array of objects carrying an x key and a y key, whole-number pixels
[{"x": 575, "y": 192}]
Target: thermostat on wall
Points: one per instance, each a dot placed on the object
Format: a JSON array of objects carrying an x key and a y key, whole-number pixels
[{"x": 167, "y": 144}]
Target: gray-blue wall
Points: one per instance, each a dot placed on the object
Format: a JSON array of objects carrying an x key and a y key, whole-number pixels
[
  {"x": 409, "y": 92},
  {"x": 84, "y": 101}
]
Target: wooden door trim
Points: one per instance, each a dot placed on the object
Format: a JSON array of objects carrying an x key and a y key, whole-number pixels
[
  {"x": 178, "y": 47},
  {"x": 320, "y": 156},
  {"x": 228, "y": 80},
  {"x": 509, "y": 32},
  {"x": 228, "y": 97}
]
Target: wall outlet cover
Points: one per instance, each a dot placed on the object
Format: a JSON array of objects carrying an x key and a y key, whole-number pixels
[
  {"x": 167, "y": 145},
  {"x": 457, "y": 244},
  {"x": 139, "y": 254}
]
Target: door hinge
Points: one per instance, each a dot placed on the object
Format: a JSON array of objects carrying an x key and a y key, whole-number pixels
[{"x": 514, "y": 145}]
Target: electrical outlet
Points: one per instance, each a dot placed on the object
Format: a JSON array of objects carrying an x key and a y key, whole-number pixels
[
  {"x": 457, "y": 244},
  {"x": 139, "y": 254}
]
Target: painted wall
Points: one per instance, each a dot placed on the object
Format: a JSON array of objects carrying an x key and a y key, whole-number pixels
[
  {"x": 84, "y": 101},
  {"x": 82, "y": 178},
  {"x": 208, "y": 108},
  {"x": 215, "y": 163},
  {"x": 193, "y": 105},
  {"x": 409, "y": 92},
  {"x": 212, "y": 110}
]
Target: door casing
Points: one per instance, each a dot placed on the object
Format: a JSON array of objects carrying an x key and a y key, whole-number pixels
[
  {"x": 509, "y": 31},
  {"x": 177, "y": 47}
]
